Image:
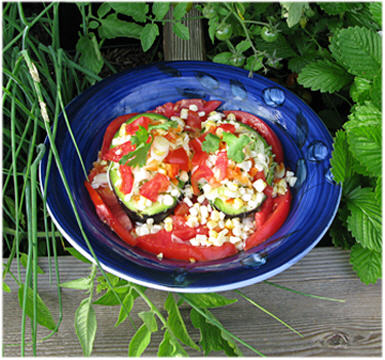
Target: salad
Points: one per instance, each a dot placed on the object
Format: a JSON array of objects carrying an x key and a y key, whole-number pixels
[{"x": 188, "y": 182}]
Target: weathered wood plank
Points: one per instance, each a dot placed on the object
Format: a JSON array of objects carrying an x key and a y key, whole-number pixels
[
  {"x": 352, "y": 328},
  {"x": 174, "y": 48}
]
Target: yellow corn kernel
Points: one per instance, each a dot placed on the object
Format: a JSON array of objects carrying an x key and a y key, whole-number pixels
[{"x": 229, "y": 224}]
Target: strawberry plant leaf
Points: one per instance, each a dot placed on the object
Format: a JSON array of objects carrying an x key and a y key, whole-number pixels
[
  {"x": 43, "y": 315},
  {"x": 139, "y": 341},
  {"x": 176, "y": 323},
  {"x": 342, "y": 159},
  {"x": 366, "y": 263},
  {"x": 366, "y": 146},
  {"x": 378, "y": 190},
  {"x": 160, "y": 9},
  {"x": 337, "y": 8},
  {"x": 365, "y": 221},
  {"x": 148, "y": 36},
  {"x": 181, "y": 30},
  {"x": 359, "y": 91},
  {"x": 375, "y": 9},
  {"x": 137, "y": 10},
  {"x": 359, "y": 50},
  {"x": 85, "y": 325},
  {"x": 324, "y": 76}
]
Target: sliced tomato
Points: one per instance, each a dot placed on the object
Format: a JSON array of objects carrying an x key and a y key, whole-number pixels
[
  {"x": 117, "y": 152},
  {"x": 181, "y": 230},
  {"x": 182, "y": 209},
  {"x": 111, "y": 130},
  {"x": 152, "y": 188},
  {"x": 193, "y": 120},
  {"x": 228, "y": 128},
  {"x": 211, "y": 105},
  {"x": 110, "y": 212},
  {"x": 281, "y": 208},
  {"x": 221, "y": 164},
  {"x": 163, "y": 242},
  {"x": 133, "y": 127},
  {"x": 186, "y": 103},
  {"x": 127, "y": 179},
  {"x": 178, "y": 157},
  {"x": 263, "y": 129},
  {"x": 202, "y": 172},
  {"x": 199, "y": 156},
  {"x": 166, "y": 109}
]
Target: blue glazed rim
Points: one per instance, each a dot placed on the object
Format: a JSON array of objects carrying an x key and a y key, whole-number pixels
[{"x": 300, "y": 130}]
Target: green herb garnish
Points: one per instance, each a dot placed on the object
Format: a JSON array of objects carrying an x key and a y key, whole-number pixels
[
  {"x": 211, "y": 143},
  {"x": 235, "y": 146}
]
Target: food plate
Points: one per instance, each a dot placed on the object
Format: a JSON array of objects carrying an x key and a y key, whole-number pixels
[{"x": 307, "y": 146}]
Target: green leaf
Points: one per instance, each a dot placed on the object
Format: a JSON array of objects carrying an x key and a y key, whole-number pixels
[
  {"x": 77, "y": 255},
  {"x": 103, "y": 9},
  {"x": 294, "y": 12},
  {"x": 223, "y": 57},
  {"x": 85, "y": 326},
  {"x": 366, "y": 263},
  {"x": 148, "y": 36},
  {"x": 336, "y": 8},
  {"x": 365, "y": 221},
  {"x": 43, "y": 315},
  {"x": 180, "y": 10},
  {"x": 149, "y": 320},
  {"x": 359, "y": 91},
  {"x": 111, "y": 27},
  {"x": 140, "y": 136},
  {"x": 137, "y": 10},
  {"x": 139, "y": 342},
  {"x": 366, "y": 146},
  {"x": 213, "y": 22},
  {"x": 10, "y": 203},
  {"x": 160, "y": 9},
  {"x": 211, "y": 143},
  {"x": 359, "y": 50},
  {"x": 176, "y": 324},
  {"x": 375, "y": 9},
  {"x": 364, "y": 115},
  {"x": 212, "y": 338},
  {"x": 209, "y": 300},
  {"x": 243, "y": 45},
  {"x": 376, "y": 91},
  {"x": 90, "y": 56},
  {"x": 235, "y": 146},
  {"x": 340, "y": 236},
  {"x": 93, "y": 25},
  {"x": 78, "y": 284},
  {"x": 128, "y": 303},
  {"x": 342, "y": 159},
  {"x": 324, "y": 76},
  {"x": 24, "y": 260},
  {"x": 280, "y": 48},
  {"x": 138, "y": 157},
  {"x": 378, "y": 190},
  {"x": 169, "y": 346},
  {"x": 254, "y": 63},
  {"x": 110, "y": 299},
  {"x": 181, "y": 31},
  {"x": 6, "y": 288}
]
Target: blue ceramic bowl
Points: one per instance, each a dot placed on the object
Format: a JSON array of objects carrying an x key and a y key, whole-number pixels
[{"x": 307, "y": 145}]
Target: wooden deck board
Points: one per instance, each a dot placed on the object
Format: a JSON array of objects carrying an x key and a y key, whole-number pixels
[{"x": 352, "y": 328}]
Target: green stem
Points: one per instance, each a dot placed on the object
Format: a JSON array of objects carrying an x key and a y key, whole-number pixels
[
  {"x": 220, "y": 326},
  {"x": 268, "y": 313},
  {"x": 301, "y": 293}
]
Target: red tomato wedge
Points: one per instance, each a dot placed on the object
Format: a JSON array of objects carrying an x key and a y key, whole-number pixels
[
  {"x": 274, "y": 221},
  {"x": 221, "y": 164},
  {"x": 263, "y": 129},
  {"x": 193, "y": 121},
  {"x": 111, "y": 130},
  {"x": 117, "y": 152},
  {"x": 110, "y": 212},
  {"x": 178, "y": 157},
  {"x": 133, "y": 127},
  {"x": 127, "y": 179},
  {"x": 203, "y": 172},
  {"x": 166, "y": 109},
  {"x": 162, "y": 242},
  {"x": 152, "y": 188}
]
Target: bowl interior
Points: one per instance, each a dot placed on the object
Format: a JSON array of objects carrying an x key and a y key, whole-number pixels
[{"x": 307, "y": 147}]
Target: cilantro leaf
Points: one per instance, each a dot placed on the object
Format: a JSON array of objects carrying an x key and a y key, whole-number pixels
[
  {"x": 211, "y": 143},
  {"x": 140, "y": 137},
  {"x": 137, "y": 157},
  {"x": 366, "y": 263},
  {"x": 235, "y": 146}
]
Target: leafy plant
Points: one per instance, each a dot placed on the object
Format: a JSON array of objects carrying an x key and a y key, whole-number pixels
[{"x": 135, "y": 20}]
